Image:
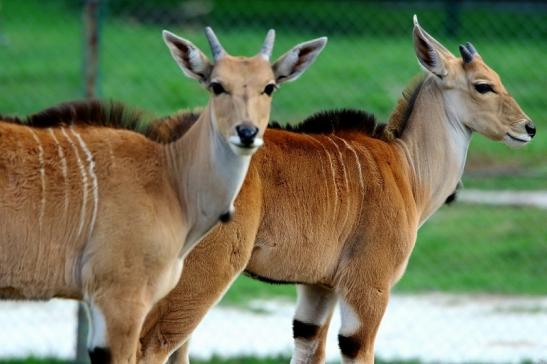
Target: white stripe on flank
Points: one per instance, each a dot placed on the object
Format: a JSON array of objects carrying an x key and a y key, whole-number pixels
[
  {"x": 64, "y": 168},
  {"x": 361, "y": 183},
  {"x": 84, "y": 180},
  {"x": 91, "y": 171},
  {"x": 333, "y": 174},
  {"x": 346, "y": 182},
  {"x": 323, "y": 172},
  {"x": 42, "y": 178}
]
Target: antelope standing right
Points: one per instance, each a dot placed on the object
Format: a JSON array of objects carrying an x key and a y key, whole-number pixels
[
  {"x": 334, "y": 206},
  {"x": 107, "y": 215}
]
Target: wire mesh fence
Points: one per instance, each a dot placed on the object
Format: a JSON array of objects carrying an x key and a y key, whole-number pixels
[{"x": 467, "y": 248}]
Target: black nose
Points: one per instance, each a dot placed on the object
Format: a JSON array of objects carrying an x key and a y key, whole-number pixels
[
  {"x": 247, "y": 133},
  {"x": 530, "y": 129}
]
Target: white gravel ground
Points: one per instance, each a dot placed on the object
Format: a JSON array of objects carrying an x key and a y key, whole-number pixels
[
  {"x": 505, "y": 197},
  {"x": 433, "y": 328}
]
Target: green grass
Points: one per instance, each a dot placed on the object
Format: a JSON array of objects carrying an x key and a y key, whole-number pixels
[
  {"x": 461, "y": 249},
  {"x": 41, "y": 65},
  {"x": 33, "y": 360}
]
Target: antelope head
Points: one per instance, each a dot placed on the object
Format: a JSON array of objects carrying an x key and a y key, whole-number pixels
[
  {"x": 241, "y": 87},
  {"x": 474, "y": 93}
]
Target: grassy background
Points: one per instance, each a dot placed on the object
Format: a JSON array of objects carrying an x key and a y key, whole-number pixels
[{"x": 367, "y": 63}]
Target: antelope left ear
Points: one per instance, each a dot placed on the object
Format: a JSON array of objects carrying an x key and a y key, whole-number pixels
[
  {"x": 432, "y": 55},
  {"x": 292, "y": 64}
]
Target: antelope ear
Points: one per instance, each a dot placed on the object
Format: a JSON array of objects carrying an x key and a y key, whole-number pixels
[
  {"x": 292, "y": 64},
  {"x": 432, "y": 55},
  {"x": 190, "y": 59}
]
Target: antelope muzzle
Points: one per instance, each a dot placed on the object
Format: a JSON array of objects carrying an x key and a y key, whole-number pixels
[
  {"x": 246, "y": 140},
  {"x": 247, "y": 133}
]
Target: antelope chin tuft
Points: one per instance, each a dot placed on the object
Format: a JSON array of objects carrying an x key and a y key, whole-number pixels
[
  {"x": 515, "y": 141},
  {"x": 244, "y": 149}
]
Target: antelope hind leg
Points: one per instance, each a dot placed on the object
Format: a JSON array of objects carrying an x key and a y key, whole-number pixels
[
  {"x": 310, "y": 325},
  {"x": 362, "y": 311}
]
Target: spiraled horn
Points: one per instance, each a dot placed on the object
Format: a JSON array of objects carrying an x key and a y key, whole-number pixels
[
  {"x": 267, "y": 47},
  {"x": 467, "y": 56},
  {"x": 471, "y": 48},
  {"x": 216, "y": 47}
]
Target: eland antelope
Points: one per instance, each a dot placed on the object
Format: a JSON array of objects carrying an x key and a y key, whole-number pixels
[
  {"x": 93, "y": 210},
  {"x": 334, "y": 205}
]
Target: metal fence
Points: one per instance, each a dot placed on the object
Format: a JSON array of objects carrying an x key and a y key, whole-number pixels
[{"x": 65, "y": 49}]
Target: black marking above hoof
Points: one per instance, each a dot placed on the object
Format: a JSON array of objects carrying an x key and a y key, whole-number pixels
[
  {"x": 303, "y": 330},
  {"x": 349, "y": 346},
  {"x": 100, "y": 356},
  {"x": 226, "y": 217}
]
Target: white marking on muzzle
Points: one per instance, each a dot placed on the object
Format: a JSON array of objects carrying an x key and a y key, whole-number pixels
[
  {"x": 241, "y": 149},
  {"x": 516, "y": 140}
]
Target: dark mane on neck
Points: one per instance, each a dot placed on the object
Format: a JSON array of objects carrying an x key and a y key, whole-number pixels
[
  {"x": 109, "y": 114},
  {"x": 400, "y": 115},
  {"x": 170, "y": 128},
  {"x": 85, "y": 112},
  {"x": 336, "y": 121}
]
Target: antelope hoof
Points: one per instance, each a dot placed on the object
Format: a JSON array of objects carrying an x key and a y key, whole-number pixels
[{"x": 100, "y": 356}]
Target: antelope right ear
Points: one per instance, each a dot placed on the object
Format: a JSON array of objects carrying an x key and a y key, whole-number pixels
[
  {"x": 432, "y": 55},
  {"x": 190, "y": 59}
]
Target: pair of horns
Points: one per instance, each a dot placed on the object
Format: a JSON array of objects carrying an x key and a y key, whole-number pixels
[
  {"x": 468, "y": 52},
  {"x": 219, "y": 52}
]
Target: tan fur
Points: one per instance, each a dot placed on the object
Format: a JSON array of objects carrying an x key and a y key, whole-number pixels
[
  {"x": 338, "y": 211},
  {"x": 107, "y": 215}
]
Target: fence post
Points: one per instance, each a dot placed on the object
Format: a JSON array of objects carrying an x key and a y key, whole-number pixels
[
  {"x": 91, "y": 22},
  {"x": 91, "y": 19}
]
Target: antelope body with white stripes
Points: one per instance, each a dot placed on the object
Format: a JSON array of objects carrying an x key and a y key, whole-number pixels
[
  {"x": 93, "y": 210},
  {"x": 334, "y": 206}
]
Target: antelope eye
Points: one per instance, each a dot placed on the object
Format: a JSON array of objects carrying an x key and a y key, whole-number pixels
[
  {"x": 217, "y": 88},
  {"x": 483, "y": 88},
  {"x": 269, "y": 89}
]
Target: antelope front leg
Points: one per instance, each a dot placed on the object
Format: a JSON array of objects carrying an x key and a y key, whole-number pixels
[
  {"x": 115, "y": 326},
  {"x": 209, "y": 270},
  {"x": 182, "y": 355},
  {"x": 311, "y": 323}
]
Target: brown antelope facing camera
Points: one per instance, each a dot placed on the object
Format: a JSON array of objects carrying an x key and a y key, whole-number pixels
[
  {"x": 93, "y": 210},
  {"x": 335, "y": 203}
]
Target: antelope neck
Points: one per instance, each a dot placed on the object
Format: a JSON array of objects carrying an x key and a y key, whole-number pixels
[
  {"x": 435, "y": 143},
  {"x": 206, "y": 173}
]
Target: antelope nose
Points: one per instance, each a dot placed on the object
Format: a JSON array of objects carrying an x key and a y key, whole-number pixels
[
  {"x": 247, "y": 133},
  {"x": 530, "y": 128}
]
